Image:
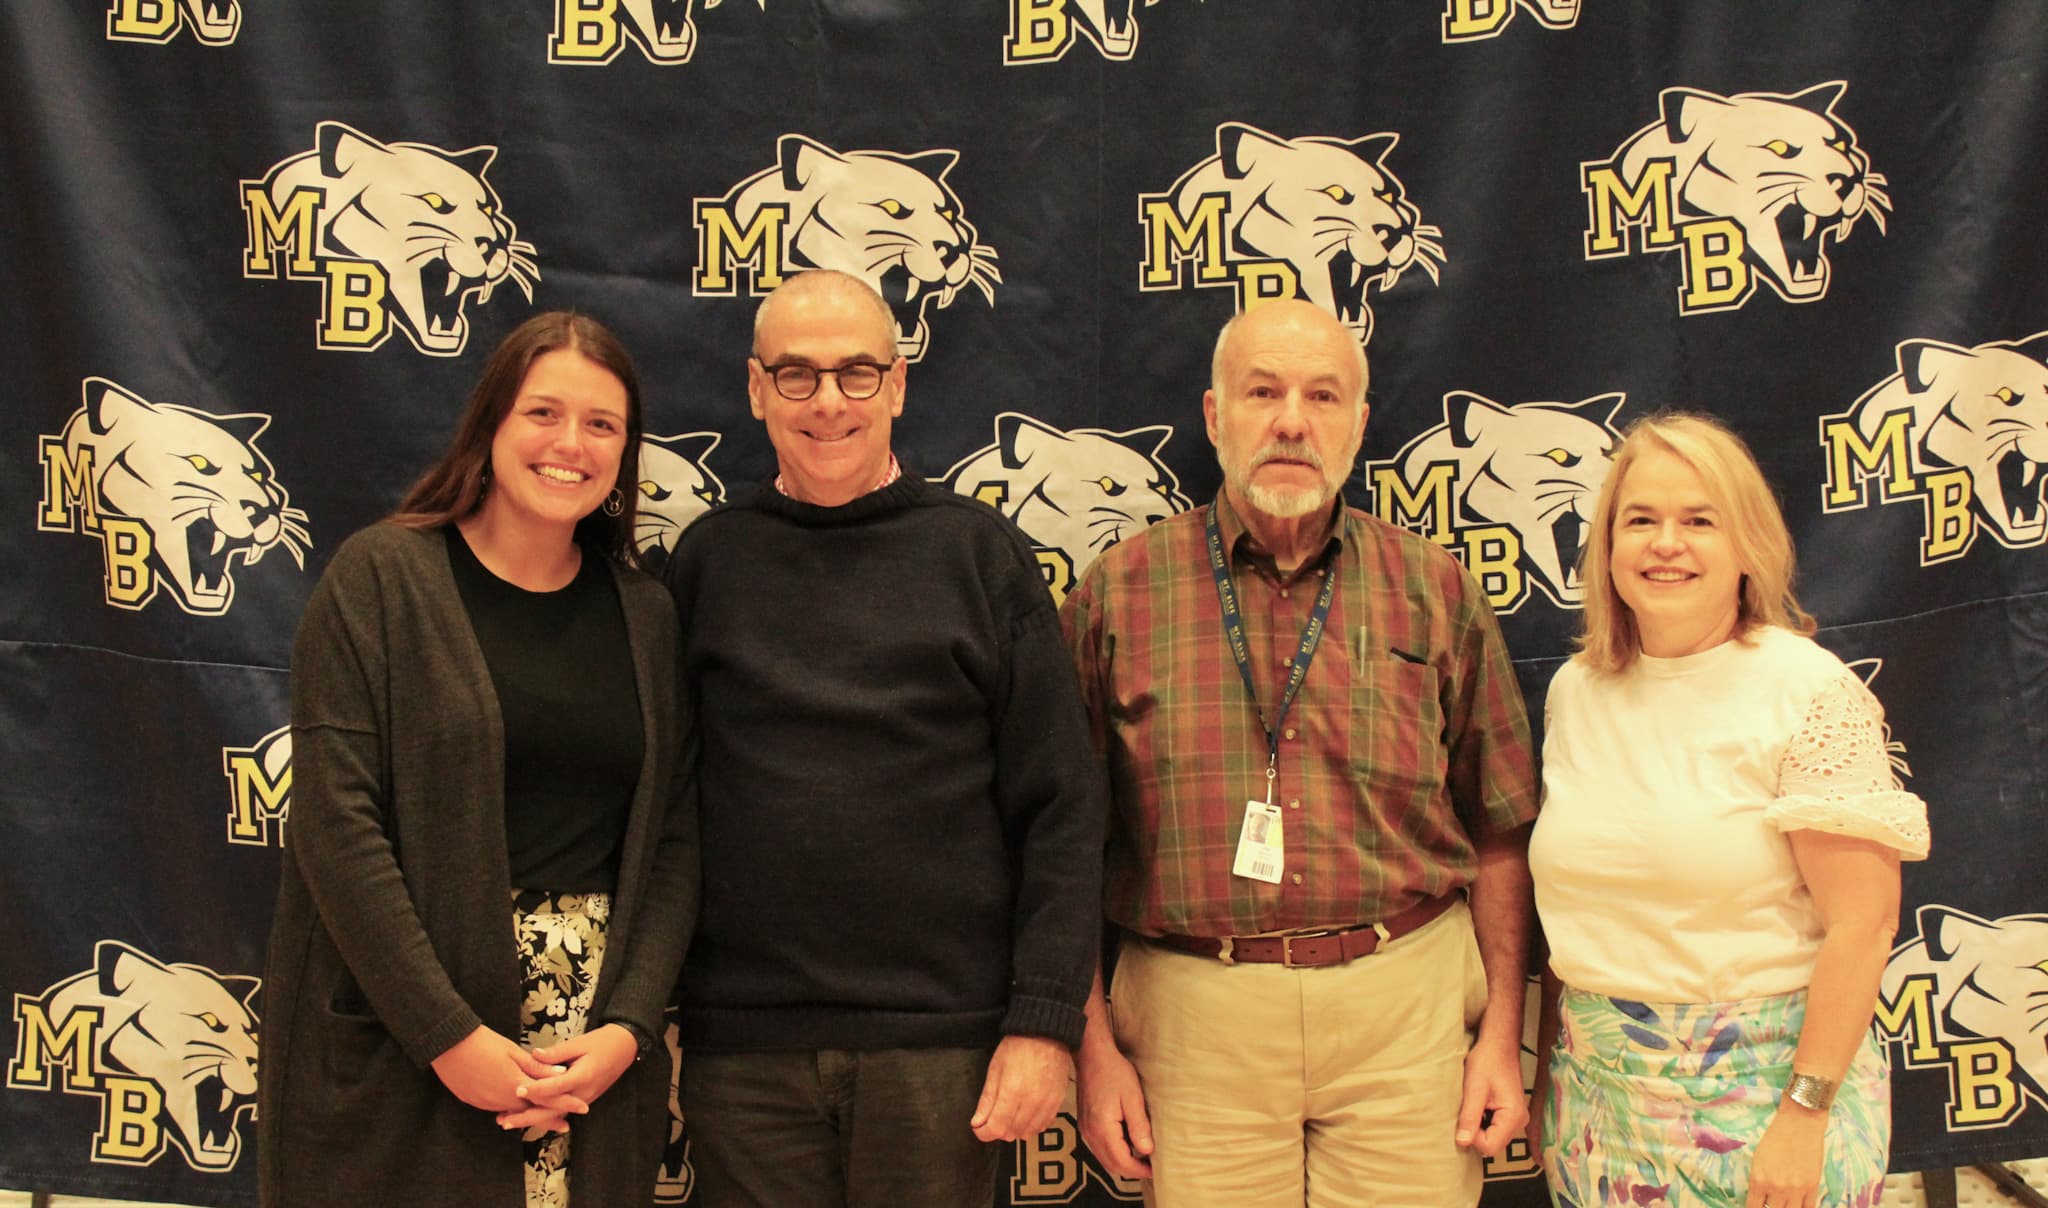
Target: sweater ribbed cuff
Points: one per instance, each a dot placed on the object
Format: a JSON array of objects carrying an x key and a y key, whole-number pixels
[
  {"x": 1036, "y": 1015},
  {"x": 442, "y": 1037}
]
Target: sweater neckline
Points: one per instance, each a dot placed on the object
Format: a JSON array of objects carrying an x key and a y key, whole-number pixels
[{"x": 905, "y": 492}]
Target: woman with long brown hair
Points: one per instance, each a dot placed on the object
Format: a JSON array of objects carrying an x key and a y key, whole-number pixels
[{"x": 490, "y": 873}]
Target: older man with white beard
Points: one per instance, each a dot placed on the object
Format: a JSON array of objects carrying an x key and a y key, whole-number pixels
[{"x": 1323, "y": 784}]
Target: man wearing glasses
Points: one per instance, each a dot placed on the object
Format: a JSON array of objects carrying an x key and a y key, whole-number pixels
[{"x": 901, "y": 823}]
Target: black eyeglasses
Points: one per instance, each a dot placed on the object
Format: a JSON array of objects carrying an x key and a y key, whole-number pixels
[{"x": 797, "y": 382}]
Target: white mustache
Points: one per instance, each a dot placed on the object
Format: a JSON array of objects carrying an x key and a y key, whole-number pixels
[{"x": 1290, "y": 450}]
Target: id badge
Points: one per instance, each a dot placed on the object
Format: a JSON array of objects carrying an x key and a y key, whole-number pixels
[{"x": 1259, "y": 856}]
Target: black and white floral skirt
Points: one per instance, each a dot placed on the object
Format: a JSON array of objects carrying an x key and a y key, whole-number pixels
[{"x": 561, "y": 948}]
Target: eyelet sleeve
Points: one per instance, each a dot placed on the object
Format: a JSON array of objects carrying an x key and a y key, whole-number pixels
[{"x": 1837, "y": 776}]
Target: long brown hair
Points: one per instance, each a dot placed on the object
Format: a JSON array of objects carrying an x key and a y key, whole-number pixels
[
  {"x": 1756, "y": 533},
  {"x": 453, "y": 487}
]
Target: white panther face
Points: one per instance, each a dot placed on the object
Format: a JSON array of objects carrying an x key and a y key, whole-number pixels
[
  {"x": 676, "y": 486},
  {"x": 197, "y": 482}
]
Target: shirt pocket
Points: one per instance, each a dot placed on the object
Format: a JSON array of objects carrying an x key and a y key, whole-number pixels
[{"x": 1395, "y": 738}]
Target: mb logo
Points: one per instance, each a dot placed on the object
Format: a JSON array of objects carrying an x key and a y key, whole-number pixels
[
  {"x": 1074, "y": 493},
  {"x": 1746, "y": 188},
  {"x": 888, "y": 218},
  {"x": 1054, "y": 1167},
  {"x": 1962, "y": 431},
  {"x": 169, "y": 1050},
  {"x": 213, "y": 22},
  {"x": 399, "y": 235},
  {"x": 176, "y": 497},
  {"x": 259, "y": 789},
  {"x": 1043, "y": 31},
  {"x": 1509, "y": 489},
  {"x": 589, "y": 33},
  {"x": 1964, "y": 996},
  {"x": 1269, "y": 217},
  {"x": 1472, "y": 20}
]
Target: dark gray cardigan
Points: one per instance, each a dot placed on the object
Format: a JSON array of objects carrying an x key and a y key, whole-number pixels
[{"x": 393, "y": 937}]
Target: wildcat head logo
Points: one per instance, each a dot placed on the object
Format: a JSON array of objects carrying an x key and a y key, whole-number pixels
[
  {"x": 1507, "y": 487},
  {"x": 1073, "y": 493},
  {"x": 1043, "y": 31},
  {"x": 1962, "y": 430},
  {"x": 259, "y": 789},
  {"x": 1751, "y": 187},
  {"x": 170, "y": 1051},
  {"x": 177, "y": 497},
  {"x": 213, "y": 22},
  {"x": 1316, "y": 218},
  {"x": 589, "y": 33},
  {"x": 1965, "y": 996},
  {"x": 1472, "y": 20},
  {"x": 889, "y": 219},
  {"x": 398, "y": 234},
  {"x": 676, "y": 487}
]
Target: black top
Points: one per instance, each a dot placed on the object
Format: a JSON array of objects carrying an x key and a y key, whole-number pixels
[
  {"x": 901, "y": 812},
  {"x": 564, "y": 675}
]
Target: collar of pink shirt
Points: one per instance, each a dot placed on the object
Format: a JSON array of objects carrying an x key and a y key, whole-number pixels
[{"x": 889, "y": 475}]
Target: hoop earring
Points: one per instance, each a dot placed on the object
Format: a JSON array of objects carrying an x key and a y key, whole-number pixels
[{"x": 614, "y": 503}]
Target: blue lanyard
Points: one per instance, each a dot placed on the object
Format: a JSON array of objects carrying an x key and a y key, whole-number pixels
[{"x": 1233, "y": 630}]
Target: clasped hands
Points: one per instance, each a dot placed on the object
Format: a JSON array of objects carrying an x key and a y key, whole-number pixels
[{"x": 540, "y": 1088}]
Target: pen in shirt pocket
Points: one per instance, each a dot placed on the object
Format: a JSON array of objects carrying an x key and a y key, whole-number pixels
[{"x": 1366, "y": 654}]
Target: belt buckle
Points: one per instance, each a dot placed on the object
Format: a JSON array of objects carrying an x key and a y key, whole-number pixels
[
  {"x": 1223, "y": 950},
  {"x": 1287, "y": 950}
]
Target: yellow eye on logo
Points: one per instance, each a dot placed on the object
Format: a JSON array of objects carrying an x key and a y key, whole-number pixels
[
  {"x": 1564, "y": 457},
  {"x": 437, "y": 203},
  {"x": 2006, "y": 395},
  {"x": 1338, "y": 193},
  {"x": 892, "y": 207},
  {"x": 201, "y": 464},
  {"x": 1110, "y": 486},
  {"x": 211, "y": 1021},
  {"x": 255, "y": 476},
  {"x": 653, "y": 490},
  {"x": 1780, "y": 148}
]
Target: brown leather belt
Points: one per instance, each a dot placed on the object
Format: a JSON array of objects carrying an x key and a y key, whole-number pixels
[{"x": 1311, "y": 949}]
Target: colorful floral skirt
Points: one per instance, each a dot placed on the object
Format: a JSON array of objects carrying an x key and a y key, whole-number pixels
[
  {"x": 1663, "y": 1103},
  {"x": 561, "y": 947}
]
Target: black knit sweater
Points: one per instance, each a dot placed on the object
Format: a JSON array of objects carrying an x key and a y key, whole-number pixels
[{"x": 901, "y": 819}]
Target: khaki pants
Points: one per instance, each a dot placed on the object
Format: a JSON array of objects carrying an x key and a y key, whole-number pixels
[{"x": 1338, "y": 1087}]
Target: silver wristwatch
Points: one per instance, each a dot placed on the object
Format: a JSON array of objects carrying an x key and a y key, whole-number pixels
[{"x": 1814, "y": 1094}]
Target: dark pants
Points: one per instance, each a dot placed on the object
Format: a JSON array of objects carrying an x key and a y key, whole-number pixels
[{"x": 832, "y": 1128}]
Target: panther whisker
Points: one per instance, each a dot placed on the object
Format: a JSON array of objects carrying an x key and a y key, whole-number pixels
[{"x": 982, "y": 251}]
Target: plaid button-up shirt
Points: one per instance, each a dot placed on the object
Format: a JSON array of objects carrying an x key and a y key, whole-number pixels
[{"x": 1407, "y": 738}]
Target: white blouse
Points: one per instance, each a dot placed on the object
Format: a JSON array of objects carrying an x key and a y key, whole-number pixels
[{"x": 1662, "y": 869}]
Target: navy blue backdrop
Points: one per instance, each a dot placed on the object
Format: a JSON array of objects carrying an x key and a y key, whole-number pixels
[{"x": 258, "y": 252}]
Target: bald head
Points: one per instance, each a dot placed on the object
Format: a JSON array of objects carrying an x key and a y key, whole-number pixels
[
  {"x": 1290, "y": 318},
  {"x": 824, "y": 288}
]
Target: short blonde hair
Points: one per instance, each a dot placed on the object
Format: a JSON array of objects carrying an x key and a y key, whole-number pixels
[{"x": 1756, "y": 532}]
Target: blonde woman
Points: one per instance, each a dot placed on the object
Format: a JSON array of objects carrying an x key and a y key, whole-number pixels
[{"x": 1717, "y": 860}]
